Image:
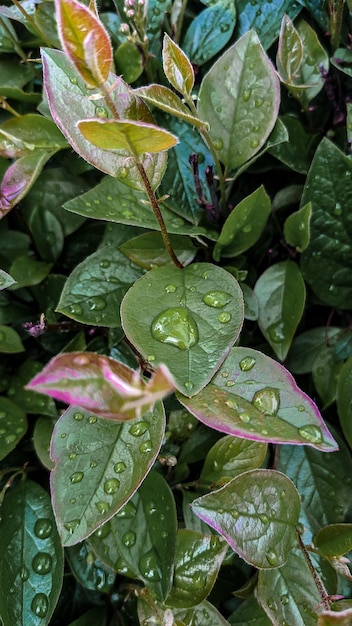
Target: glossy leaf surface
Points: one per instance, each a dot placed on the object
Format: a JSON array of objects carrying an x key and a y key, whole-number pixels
[
  {"x": 148, "y": 251},
  {"x": 344, "y": 407},
  {"x": 256, "y": 512},
  {"x": 264, "y": 19},
  {"x": 254, "y": 397},
  {"x": 177, "y": 67},
  {"x": 191, "y": 318},
  {"x": 210, "y": 31},
  {"x": 334, "y": 540},
  {"x": 231, "y": 456},
  {"x": 166, "y": 100},
  {"x": 99, "y": 464},
  {"x": 10, "y": 340},
  {"x": 296, "y": 228},
  {"x": 13, "y": 425}
]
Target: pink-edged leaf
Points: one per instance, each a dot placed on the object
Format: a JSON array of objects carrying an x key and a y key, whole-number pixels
[
  {"x": 338, "y": 618},
  {"x": 254, "y": 397},
  {"x": 100, "y": 384},
  {"x": 85, "y": 41}
]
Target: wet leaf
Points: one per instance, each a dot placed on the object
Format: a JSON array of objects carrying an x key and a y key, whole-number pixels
[
  {"x": 340, "y": 618},
  {"x": 28, "y": 272},
  {"x": 148, "y": 250},
  {"x": 256, "y": 513},
  {"x": 344, "y": 405},
  {"x": 13, "y": 425},
  {"x": 191, "y": 318},
  {"x": 231, "y": 456},
  {"x": 168, "y": 101},
  {"x": 296, "y": 228},
  {"x": 281, "y": 294},
  {"x": 25, "y": 133},
  {"x": 10, "y": 340},
  {"x": 265, "y": 18},
  {"x": 99, "y": 464},
  {"x": 42, "y": 433},
  {"x": 240, "y": 98},
  {"x": 325, "y": 374},
  {"x": 254, "y": 397},
  {"x": 209, "y": 31},
  {"x": 31, "y": 566},
  {"x": 334, "y": 540},
  {"x": 177, "y": 67},
  {"x": 290, "y": 52},
  {"x": 247, "y": 612},
  {"x": 88, "y": 570},
  {"x": 307, "y": 346},
  {"x": 298, "y": 149}
]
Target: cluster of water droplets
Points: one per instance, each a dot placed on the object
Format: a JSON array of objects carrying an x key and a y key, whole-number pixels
[{"x": 41, "y": 564}]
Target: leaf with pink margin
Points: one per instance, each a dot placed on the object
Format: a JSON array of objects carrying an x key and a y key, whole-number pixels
[
  {"x": 99, "y": 464},
  {"x": 102, "y": 385},
  {"x": 254, "y": 397}
]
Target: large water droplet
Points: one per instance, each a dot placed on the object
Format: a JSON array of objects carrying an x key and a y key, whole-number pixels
[
  {"x": 259, "y": 102},
  {"x": 103, "y": 507},
  {"x": 76, "y": 477},
  {"x": 75, "y": 309},
  {"x": 218, "y": 144},
  {"x": 246, "y": 95},
  {"x": 111, "y": 485},
  {"x": 40, "y": 605},
  {"x": 78, "y": 416},
  {"x": 43, "y": 528},
  {"x": 263, "y": 518},
  {"x": 217, "y": 299},
  {"x": 146, "y": 446},
  {"x": 247, "y": 363},
  {"x": 254, "y": 143},
  {"x": 272, "y": 557},
  {"x": 129, "y": 539},
  {"x": 120, "y": 467},
  {"x": 175, "y": 326},
  {"x": 170, "y": 288},
  {"x": 276, "y": 332},
  {"x": 138, "y": 429},
  {"x": 72, "y": 525},
  {"x": 103, "y": 531},
  {"x": 267, "y": 400},
  {"x": 96, "y": 303},
  {"x": 42, "y": 563},
  {"x": 92, "y": 419},
  {"x": 224, "y": 317},
  {"x": 311, "y": 433},
  {"x": 149, "y": 567}
]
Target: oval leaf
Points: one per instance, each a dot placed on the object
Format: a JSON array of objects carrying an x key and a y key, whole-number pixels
[
  {"x": 177, "y": 67},
  {"x": 334, "y": 540},
  {"x": 231, "y": 456}
]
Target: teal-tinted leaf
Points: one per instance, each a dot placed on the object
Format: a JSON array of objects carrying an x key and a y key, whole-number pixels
[
  {"x": 148, "y": 250},
  {"x": 28, "y": 272},
  {"x": 157, "y": 10},
  {"x": 247, "y": 612},
  {"x": 5, "y": 280},
  {"x": 240, "y": 98},
  {"x": 289, "y": 594},
  {"x": 244, "y": 225},
  {"x": 251, "y": 307},
  {"x": 334, "y": 540},
  {"x": 197, "y": 564},
  {"x": 254, "y": 397},
  {"x": 319, "y": 11},
  {"x": 177, "y": 67},
  {"x": 190, "y": 320},
  {"x": 168, "y": 101},
  {"x": 98, "y": 466},
  {"x": 281, "y": 294},
  {"x": 10, "y": 340},
  {"x": 306, "y": 347},
  {"x": 42, "y": 433},
  {"x": 325, "y": 374},
  {"x": 31, "y": 566},
  {"x": 344, "y": 405},
  {"x": 326, "y": 263},
  {"x": 230, "y": 456},
  {"x": 93, "y": 292},
  {"x": 129, "y": 61},
  {"x": 13, "y": 425},
  {"x": 69, "y": 101},
  {"x": 210, "y": 31},
  {"x": 90, "y": 572},
  {"x": 298, "y": 149},
  {"x": 204, "y": 614},
  {"x": 142, "y": 536},
  {"x": 29, "y": 401},
  {"x": 264, "y": 18},
  {"x": 296, "y": 228},
  {"x": 257, "y": 513}
]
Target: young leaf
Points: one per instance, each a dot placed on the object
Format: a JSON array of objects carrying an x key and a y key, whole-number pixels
[
  {"x": 191, "y": 317},
  {"x": 231, "y": 456},
  {"x": 168, "y": 101},
  {"x": 177, "y": 67},
  {"x": 334, "y": 540},
  {"x": 296, "y": 228},
  {"x": 240, "y": 98},
  {"x": 99, "y": 464},
  {"x": 290, "y": 51},
  {"x": 102, "y": 385},
  {"x": 135, "y": 137},
  {"x": 254, "y": 397},
  {"x": 85, "y": 41},
  {"x": 257, "y": 513}
]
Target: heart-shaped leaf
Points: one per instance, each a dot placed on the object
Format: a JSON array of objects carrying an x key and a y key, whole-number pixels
[
  {"x": 191, "y": 317},
  {"x": 99, "y": 464},
  {"x": 257, "y": 513},
  {"x": 254, "y": 397}
]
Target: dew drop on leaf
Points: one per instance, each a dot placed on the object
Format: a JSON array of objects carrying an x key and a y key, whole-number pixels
[
  {"x": 71, "y": 525},
  {"x": 224, "y": 317},
  {"x": 40, "y": 605},
  {"x": 81, "y": 359},
  {"x": 247, "y": 363},
  {"x": 272, "y": 557},
  {"x": 263, "y": 518},
  {"x": 175, "y": 326},
  {"x": 170, "y": 288},
  {"x": 217, "y": 299},
  {"x": 127, "y": 511},
  {"x": 254, "y": 143},
  {"x": 78, "y": 416},
  {"x": 276, "y": 332},
  {"x": 272, "y": 604},
  {"x": 102, "y": 506},
  {"x": 129, "y": 539},
  {"x": 146, "y": 446},
  {"x": 93, "y": 464},
  {"x": 111, "y": 485},
  {"x": 284, "y": 598},
  {"x": 311, "y": 433},
  {"x": 43, "y": 528},
  {"x": 76, "y": 309},
  {"x": 246, "y": 95},
  {"x": 244, "y": 417},
  {"x": 218, "y": 144},
  {"x": 148, "y": 566},
  {"x": 234, "y": 514},
  {"x": 137, "y": 430},
  {"x": 24, "y": 573},
  {"x": 199, "y": 581},
  {"x": 151, "y": 507},
  {"x": 119, "y": 467},
  {"x": 10, "y": 439},
  {"x": 42, "y": 563},
  {"x": 267, "y": 400},
  {"x": 96, "y": 303},
  {"x": 259, "y": 102},
  {"x": 76, "y": 477},
  {"x": 103, "y": 531},
  {"x": 92, "y": 419}
]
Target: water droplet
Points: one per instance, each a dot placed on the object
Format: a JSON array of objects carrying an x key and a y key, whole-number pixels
[
  {"x": 92, "y": 419},
  {"x": 219, "y": 109},
  {"x": 263, "y": 518},
  {"x": 235, "y": 514},
  {"x": 76, "y": 477},
  {"x": 43, "y": 528},
  {"x": 24, "y": 573},
  {"x": 93, "y": 464},
  {"x": 10, "y": 439},
  {"x": 224, "y": 317},
  {"x": 120, "y": 467},
  {"x": 151, "y": 507},
  {"x": 129, "y": 538},
  {"x": 244, "y": 417},
  {"x": 72, "y": 456},
  {"x": 311, "y": 433},
  {"x": 259, "y": 102},
  {"x": 247, "y": 363},
  {"x": 75, "y": 309},
  {"x": 246, "y": 95},
  {"x": 146, "y": 446},
  {"x": 218, "y": 144},
  {"x": 40, "y": 605},
  {"x": 63, "y": 435},
  {"x": 199, "y": 581},
  {"x": 176, "y": 327},
  {"x": 105, "y": 263},
  {"x": 224, "y": 27},
  {"x": 338, "y": 510},
  {"x": 73, "y": 80},
  {"x": 138, "y": 429},
  {"x": 170, "y": 288},
  {"x": 272, "y": 604},
  {"x": 42, "y": 563},
  {"x": 284, "y": 598},
  {"x": 267, "y": 400},
  {"x": 248, "y": 227},
  {"x": 128, "y": 511},
  {"x": 300, "y": 408},
  {"x": 96, "y": 303},
  {"x": 230, "y": 383},
  {"x": 276, "y": 332},
  {"x": 111, "y": 485},
  {"x": 189, "y": 386},
  {"x": 102, "y": 506},
  {"x": 72, "y": 525},
  {"x": 101, "y": 112},
  {"x": 254, "y": 143},
  {"x": 148, "y": 566},
  {"x": 217, "y": 299},
  {"x": 73, "y": 500},
  {"x": 78, "y": 416},
  {"x": 103, "y": 531},
  {"x": 123, "y": 173},
  {"x": 272, "y": 557}
]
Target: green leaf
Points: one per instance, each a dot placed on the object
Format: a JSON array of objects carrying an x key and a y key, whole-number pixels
[
  {"x": 210, "y": 31},
  {"x": 88, "y": 570},
  {"x": 289, "y": 594},
  {"x": 247, "y": 612},
  {"x": 93, "y": 292},
  {"x": 334, "y": 540},
  {"x": 25, "y": 133},
  {"x": 342, "y": 60},
  {"x": 94, "y": 617},
  {"x": 251, "y": 307},
  {"x": 325, "y": 374},
  {"x": 290, "y": 51},
  {"x": 28, "y": 272},
  {"x": 168, "y": 101},
  {"x": 254, "y": 397},
  {"x": 148, "y": 251},
  {"x": 135, "y": 137},
  {"x": 13, "y": 425},
  {"x": 29, "y": 401},
  {"x": 42, "y": 433},
  {"x": 102, "y": 461},
  {"x": 244, "y": 225},
  {"x": 332, "y": 618},
  {"x": 307, "y": 346},
  {"x": 344, "y": 407},
  {"x": 197, "y": 564},
  {"x": 204, "y": 614},
  {"x": 298, "y": 149},
  {"x": 31, "y": 566},
  {"x": 10, "y": 340},
  {"x": 231, "y": 456},
  {"x": 281, "y": 294},
  {"x": 5, "y": 280},
  {"x": 129, "y": 61},
  {"x": 142, "y": 536},
  {"x": 157, "y": 9},
  {"x": 257, "y": 513},
  {"x": 265, "y": 18},
  {"x": 326, "y": 263},
  {"x": 177, "y": 67},
  {"x": 240, "y": 98},
  {"x": 296, "y": 228},
  {"x": 191, "y": 318}
]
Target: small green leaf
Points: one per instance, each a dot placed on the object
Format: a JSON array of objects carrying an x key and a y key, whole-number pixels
[
  {"x": 177, "y": 67},
  {"x": 22, "y": 134},
  {"x": 31, "y": 565},
  {"x": 10, "y": 340},
  {"x": 28, "y": 272},
  {"x": 344, "y": 406},
  {"x": 325, "y": 374},
  {"x": 306, "y": 347},
  {"x": 42, "y": 433},
  {"x": 290, "y": 51},
  {"x": 13, "y": 425},
  {"x": 231, "y": 456},
  {"x": 240, "y": 98},
  {"x": 334, "y": 540},
  {"x": 129, "y": 61},
  {"x": 281, "y": 296},
  {"x": 148, "y": 250},
  {"x": 5, "y": 280},
  {"x": 168, "y": 101},
  {"x": 191, "y": 318},
  {"x": 134, "y": 136},
  {"x": 296, "y": 228},
  {"x": 210, "y": 31},
  {"x": 98, "y": 466},
  {"x": 257, "y": 513}
]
